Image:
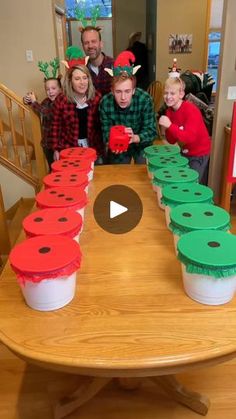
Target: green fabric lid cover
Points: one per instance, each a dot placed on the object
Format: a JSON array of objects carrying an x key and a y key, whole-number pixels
[
  {"x": 164, "y": 149},
  {"x": 162, "y": 160},
  {"x": 174, "y": 175},
  {"x": 173, "y": 195},
  {"x": 190, "y": 217},
  {"x": 208, "y": 252}
]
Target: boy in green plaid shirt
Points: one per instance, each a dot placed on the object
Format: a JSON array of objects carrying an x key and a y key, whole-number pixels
[{"x": 128, "y": 106}]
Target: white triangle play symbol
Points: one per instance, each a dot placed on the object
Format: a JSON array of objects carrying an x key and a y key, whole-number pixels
[{"x": 116, "y": 209}]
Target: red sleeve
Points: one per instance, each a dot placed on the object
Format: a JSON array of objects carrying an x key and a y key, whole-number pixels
[{"x": 192, "y": 122}]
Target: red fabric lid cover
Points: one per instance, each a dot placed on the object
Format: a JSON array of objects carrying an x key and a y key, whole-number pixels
[
  {"x": 45, "y": 257},
  {"x": 53, "y": 221},
  {"x": 60, "y": 197},
  {"x": 66, "y": 178},
  {"x": 74, "y": 152},
  {"x": 79, "y": 164}
]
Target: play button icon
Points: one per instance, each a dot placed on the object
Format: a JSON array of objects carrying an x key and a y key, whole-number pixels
[{"x": 117, "y": 209}]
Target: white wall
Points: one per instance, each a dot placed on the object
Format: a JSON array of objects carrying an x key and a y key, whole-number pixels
[
  {"x": 25, "y": 25},
  {"x": 130, "y": 16},
  {"x": 13, "y": 188}
]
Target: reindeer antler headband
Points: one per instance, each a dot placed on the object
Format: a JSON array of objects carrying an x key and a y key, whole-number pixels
[
  {"x": 49, "y": 68},
  {"x": 79, "y": 13}
]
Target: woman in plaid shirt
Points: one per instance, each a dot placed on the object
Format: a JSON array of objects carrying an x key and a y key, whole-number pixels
[{"x": 75, "y": 116}]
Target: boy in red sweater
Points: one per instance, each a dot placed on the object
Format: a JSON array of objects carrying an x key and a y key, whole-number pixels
[{"x": 183, "y": 124}]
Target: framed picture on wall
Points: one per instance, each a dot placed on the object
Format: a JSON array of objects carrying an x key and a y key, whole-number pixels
[{"x": 180, "y": 43}]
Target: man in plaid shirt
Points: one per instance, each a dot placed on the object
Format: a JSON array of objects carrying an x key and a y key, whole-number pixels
[
  {"x": 98, "y": 61},
  {"x": 133, "y": 108}
]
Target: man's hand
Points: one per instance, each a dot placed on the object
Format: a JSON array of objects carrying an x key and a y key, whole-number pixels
[
  {"x": 133, "y": 138},
  {"x": 164, "y": 121}
]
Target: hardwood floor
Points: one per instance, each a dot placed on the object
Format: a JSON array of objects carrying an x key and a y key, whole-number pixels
[{"x": 28, "y": 392}]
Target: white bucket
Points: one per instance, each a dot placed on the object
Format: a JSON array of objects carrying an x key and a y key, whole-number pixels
[
  {"x": 90, "y": 175},
  {"x": 159, "y": 196},
  {"x": 167, "y": 214},
  {"x": 81, "y": 212},
  {"x": 176, "y": 239},
  {"x": 208, "y": 290},
  {"x": 49, "y": 294},
  {"x": 150, "y": 174}
]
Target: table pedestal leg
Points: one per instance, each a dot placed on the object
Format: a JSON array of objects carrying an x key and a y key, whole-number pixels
[
  {"x": 128, "y": 383},
  {"x": 88, "y": 389},
  {"x": 195, "y": 401}
]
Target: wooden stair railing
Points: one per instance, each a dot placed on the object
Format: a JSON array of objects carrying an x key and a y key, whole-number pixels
[
  {"x": 5, "y": 244},
  {"x": 17, "y": 119}
]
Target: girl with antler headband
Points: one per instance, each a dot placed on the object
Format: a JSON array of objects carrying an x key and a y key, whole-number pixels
[{"x": 52, "y": 85}]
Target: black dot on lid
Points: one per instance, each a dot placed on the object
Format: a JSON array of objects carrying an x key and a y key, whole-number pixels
[
  {"x": 62, "y": 219},
  {"x": 186, "y": 214},
  {"x": 198, "y": 193},
  {"x": 185, "y": 190},
  {"x": 57, "y": 180},
  {"x": 58, "y": 175},
  {"x": 165, "y": 171},
  {"x": 208, "y": 213},
  {"x": 73, "y": 180},
  {"x": 76, "y": 165},
  {"x": 64, "y": 165},
  {"x": 174, "y": 187},
  {"x": 60, "y": 195},
  {"x": 52, "y": 192},
  {"x": 38, "y": 219},
  {"x": 73, "y": 175},
  {"x": 183, "y": 175},
  {"x": 69, "y": 199},
  {"x": 181, "y": 171},
  {"x": 213, "y": 244},
  {"x": 44, "y": 250},
  {"x": 168, "y": 176}
]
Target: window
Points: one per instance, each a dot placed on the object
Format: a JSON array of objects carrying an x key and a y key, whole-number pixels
[
  {"x": 105, "y": 7},
  {"x": 214, "y": 40}
]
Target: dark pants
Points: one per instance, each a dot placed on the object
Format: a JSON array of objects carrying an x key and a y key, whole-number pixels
[
  {"x": 115, "y": 159},
  {"x": 201, "y": 165},
  {"x": 49, "y": 156}
]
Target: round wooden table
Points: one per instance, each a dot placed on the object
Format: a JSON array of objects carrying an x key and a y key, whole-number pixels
[{"x": 130, "y": 317}]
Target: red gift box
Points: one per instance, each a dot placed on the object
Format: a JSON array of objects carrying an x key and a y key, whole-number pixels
[{"x": 118, "y": 139}]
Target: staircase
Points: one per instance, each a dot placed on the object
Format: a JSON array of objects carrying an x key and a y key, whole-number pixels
[
  {"x": 22, "y": 166},
  {"x": 20, "y": 136}
]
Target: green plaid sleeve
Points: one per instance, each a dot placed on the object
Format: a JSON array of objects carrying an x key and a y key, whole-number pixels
[
  {"x": 107, "y": 116},
  {"x": 148, "y": 131}
]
